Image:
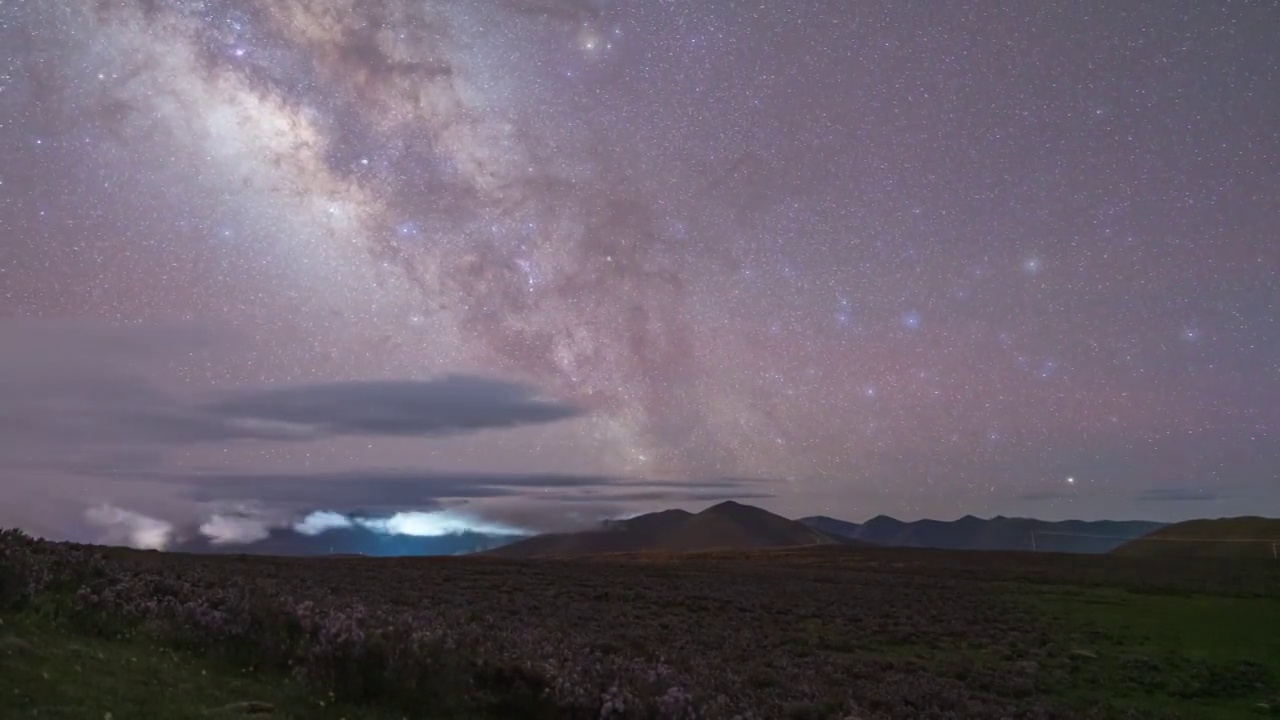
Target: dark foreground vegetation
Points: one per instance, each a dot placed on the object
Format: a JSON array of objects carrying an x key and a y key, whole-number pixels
[{"x": 825, "y": 632}]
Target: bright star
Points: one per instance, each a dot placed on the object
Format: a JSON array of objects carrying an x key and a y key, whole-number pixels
[{"x": 589, "y": 41}]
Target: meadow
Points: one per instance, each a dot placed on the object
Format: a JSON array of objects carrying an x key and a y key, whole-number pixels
[{"x": 827, "y": 632}]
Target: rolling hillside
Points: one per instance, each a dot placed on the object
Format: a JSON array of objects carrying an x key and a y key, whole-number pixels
[
  {"x": 1241, "y": 537},
  {"x": 727, "y": 526}
]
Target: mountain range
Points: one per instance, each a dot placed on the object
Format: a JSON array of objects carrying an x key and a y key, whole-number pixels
[
  {"x": 997, "y": 533},
  {"x": 729, "y": 525}
]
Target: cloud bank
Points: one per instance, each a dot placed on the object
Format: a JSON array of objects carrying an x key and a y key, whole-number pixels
[
  {"x": 93, "y": 423},
  {"x": 247, "y": 531}
]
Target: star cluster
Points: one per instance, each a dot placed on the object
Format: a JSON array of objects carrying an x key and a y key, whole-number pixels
[{"x": 895, "y": 257}]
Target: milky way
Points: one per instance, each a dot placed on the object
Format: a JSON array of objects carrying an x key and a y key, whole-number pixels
[{"x": 890, "y": 257}]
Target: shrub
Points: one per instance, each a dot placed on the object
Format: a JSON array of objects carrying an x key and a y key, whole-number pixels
[{"x": 22, "y": 575}]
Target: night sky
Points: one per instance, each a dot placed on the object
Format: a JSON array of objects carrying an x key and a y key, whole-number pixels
[{"x": 530, "y": 263}]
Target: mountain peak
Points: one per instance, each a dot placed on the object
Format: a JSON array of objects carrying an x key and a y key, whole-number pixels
[
  {"x": 731, "y": 506},
  {"x": 885, "y": 520}
]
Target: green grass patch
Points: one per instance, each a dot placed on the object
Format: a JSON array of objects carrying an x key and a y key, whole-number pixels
[
  {"x": 47, "y": 671},
  {"x": 1183, "y": 655}
]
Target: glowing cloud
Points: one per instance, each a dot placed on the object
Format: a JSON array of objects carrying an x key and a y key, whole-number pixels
[
  {"x": 435, "y": 524},
  {"x": 321, "y": 521},
  {"x": 234, "y": 530},
  {"x": 125, "y": 527},
  {"x": 412, "y": 524}
]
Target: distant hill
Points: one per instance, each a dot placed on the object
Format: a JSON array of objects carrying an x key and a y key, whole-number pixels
[
  {"x": 1240, "y": 537},
  {"x": 727, "y": 526},
  {"x": 997, "y": 533}
]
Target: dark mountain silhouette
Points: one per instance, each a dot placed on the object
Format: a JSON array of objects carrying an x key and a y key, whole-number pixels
[
  {"x": 727, "y": 526},
  {"x": 997, "y": 533},
  {"x": 1240, "y": 537}
]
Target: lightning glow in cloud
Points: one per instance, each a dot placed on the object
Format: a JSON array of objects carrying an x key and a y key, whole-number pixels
[
  {"x": 322, "y": 521},
  {"x": 413, "y": 524},
  {"x": 234, "y": 529},
  {"x": 125, "y": 527},
  {"x": 435, "y": 524}
]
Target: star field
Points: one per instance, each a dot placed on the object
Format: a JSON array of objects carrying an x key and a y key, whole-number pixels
[{"x": 885, "y": 257}]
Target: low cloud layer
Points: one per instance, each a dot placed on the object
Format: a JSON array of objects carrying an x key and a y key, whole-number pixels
[
  {"x": 245, "y": 529},
  {"x": 372, "y": 491}
]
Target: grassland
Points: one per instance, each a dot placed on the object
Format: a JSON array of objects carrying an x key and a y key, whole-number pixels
[
  {"x": 1197, "y": 656},
  {"x": 1240, "y": 537},
  {"x": 810, "y": 633},
  {"x": 49, "y": 671}
]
